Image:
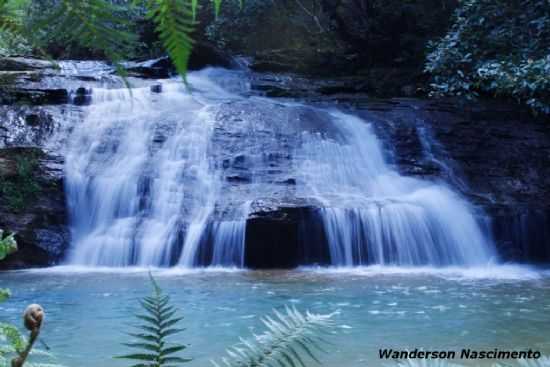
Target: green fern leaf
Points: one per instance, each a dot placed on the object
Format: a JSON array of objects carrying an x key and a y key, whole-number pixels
[
  {"x": 175, "y": 20},
  {"x": 194, "y": 5},
  {"x": 217, "y": 7},
  {"x": 288, "y": 338},
  {"x": 158, "y": 322}
]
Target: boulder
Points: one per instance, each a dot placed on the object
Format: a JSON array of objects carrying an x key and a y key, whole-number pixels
[
  {"x": 203, "y": 55},
  {"x": 24, "y": 64},
  {"x": 35, "y": 96},
  {"x": 23, "y": 125},
  {"x": 82, "y": 96}
]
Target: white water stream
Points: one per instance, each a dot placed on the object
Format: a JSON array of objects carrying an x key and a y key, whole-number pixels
[{"x": 144, "y": 189}]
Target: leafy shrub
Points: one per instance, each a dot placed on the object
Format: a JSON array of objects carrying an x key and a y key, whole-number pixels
[{"x": 495, "y": 47}]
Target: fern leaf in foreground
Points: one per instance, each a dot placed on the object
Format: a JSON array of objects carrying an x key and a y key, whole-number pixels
[
  {"x": 158, "y": 323},
  {"x": 174, "y": 21},
  {"x": 290, "y": 338}
]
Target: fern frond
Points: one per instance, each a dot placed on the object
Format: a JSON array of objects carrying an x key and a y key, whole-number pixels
[
  {"x": 175, "y": 21},
  {"x": 158, "y": 321},
  {"x": 217, "y": 7},
  {"x": 289, "y": 338},
  {"x": 194, "y": 5},
  {"x": 13, "y": 337}
]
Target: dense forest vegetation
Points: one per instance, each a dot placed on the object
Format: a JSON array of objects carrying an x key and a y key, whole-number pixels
[
  {"x": 492, "y": 48},
  {"x": 496, "y": 47}
]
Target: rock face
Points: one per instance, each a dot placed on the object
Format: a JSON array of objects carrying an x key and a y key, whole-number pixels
[
  {"x": 32, "y": 204},
  {"x": 35, "y": 100},
  {"x": 495, "y": 154},
  {"x": 384, "y": 42}
]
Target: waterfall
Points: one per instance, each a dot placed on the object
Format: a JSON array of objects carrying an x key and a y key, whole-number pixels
[
  {"x": 147, "y": 181},
  {"x": 139, "y": 184},
  {"x": 374, "y": 215}
]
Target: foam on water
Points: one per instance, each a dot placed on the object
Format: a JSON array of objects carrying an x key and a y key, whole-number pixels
[
  {"x": 129, "y": 270},
  {"x": 496, "y": 272}
]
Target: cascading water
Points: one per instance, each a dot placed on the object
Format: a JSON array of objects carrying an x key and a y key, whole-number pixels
[
  {"x": 372, "y": 214},
  {"x": 139, "y": 183},
  {"x": 148, "y": 182}
]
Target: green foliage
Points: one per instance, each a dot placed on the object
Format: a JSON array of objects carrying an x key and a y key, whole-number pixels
[
  {"x": 8, "y": 245},
  {"x": 12, "y": 343},
  {"x": 289, "y": 339},
  {"x": 4, "y": 294},
  {"x": 106, "y": 27},
  {"x": 12, "y": 13},
  {"x": 13, "y": 337},
  {"x": 174, "y": 21},
  {"x": 18, "y": 191},
  {"x": 495, "y": 47},
  {"x": 158, "y": 325}
]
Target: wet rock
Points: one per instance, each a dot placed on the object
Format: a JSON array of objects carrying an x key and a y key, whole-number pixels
[
  {"x": 205, "y": 55},
  {"x": 522, "y": 235},
  {"x": 238, "y": 178},
  {"x": 156, "y": 88},
  {"x": 479, "y": 150},
  {"x": 32, "y": 204},
  {"x": 82, "y": 96},
  {"x": 161, "y": 68},
  {"x": 23, "y": 64},
  {"x": 22, "y": 125},
  {"x": 35, "y": 96},
  {"x": 383, "y": 42}
]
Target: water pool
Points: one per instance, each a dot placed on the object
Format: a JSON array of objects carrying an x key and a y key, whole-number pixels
[{"x": 88, "y": 312}]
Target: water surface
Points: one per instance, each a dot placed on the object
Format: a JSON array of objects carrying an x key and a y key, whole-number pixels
[{"x": 377, "y": 307}]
